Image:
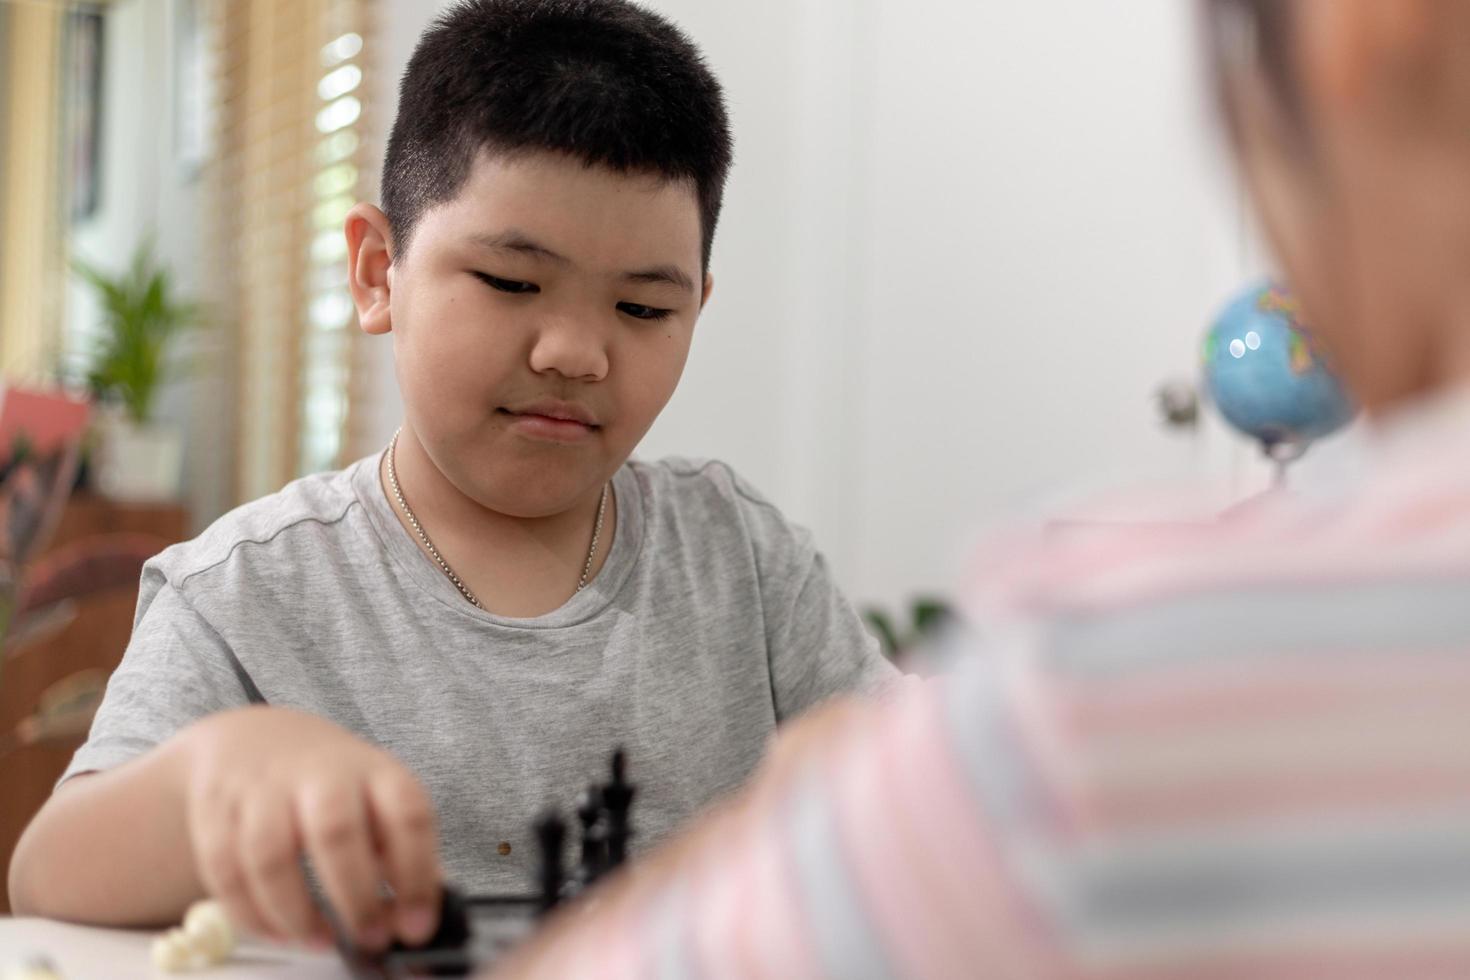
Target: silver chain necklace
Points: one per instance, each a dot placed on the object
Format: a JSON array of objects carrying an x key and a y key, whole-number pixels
[{"x": 439, "y": 559}]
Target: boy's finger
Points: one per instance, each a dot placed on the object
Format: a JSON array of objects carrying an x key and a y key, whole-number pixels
[
  {"x": 271, "y": 849},
  {"x": 404, "y": 818},
  {"x": 333, "y": 821},
  {"x": 214, "y": 836}
]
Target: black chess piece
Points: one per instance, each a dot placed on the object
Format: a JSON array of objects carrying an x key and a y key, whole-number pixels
[
  {"x": 590, "y": 813},
  {"x": 443, "y": 951},
  {"x": 617, "y": 798},
  {"x": 551, "y": 832},
  {"x": 454, "y": 923}
]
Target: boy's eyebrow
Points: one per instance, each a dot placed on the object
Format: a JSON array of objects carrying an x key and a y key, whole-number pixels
[
  {"x": 663, "y": 275},
  {"x": 518, "y": 241}
]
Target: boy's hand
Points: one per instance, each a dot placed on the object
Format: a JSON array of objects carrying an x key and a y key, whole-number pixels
[{"x": 266, "y": 785}]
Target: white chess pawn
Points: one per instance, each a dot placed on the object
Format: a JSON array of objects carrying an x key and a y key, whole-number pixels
[
  {"x": 38, "y": 969},
  {"x": 206, "y": 939},
  {"x": 208, "y": 929},
  {"x": 171, "y": 952}
]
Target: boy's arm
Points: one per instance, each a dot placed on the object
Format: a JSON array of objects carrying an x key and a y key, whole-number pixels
[
  {"x": 111, "y": 848},
  {"x": 816, "y": 641}
]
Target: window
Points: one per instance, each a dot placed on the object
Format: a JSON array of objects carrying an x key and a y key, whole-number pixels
[
  {"x": 291, "y": 81},
  {"x": 325, "y": 340}
]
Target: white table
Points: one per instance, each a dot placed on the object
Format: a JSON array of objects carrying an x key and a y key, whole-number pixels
[{"x": 83, "y": 953}]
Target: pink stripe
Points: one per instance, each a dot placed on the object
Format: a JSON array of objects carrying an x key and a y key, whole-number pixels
[
  {"x": 743, "y": 914},
  {"x": 1424, "y": 515},
  {"x": 720, "y": 892},
  {"x": 1279, "y": 542},
  {"x": 616, "y": 948},
  {"x": 1271, "y": 797},
  {"x": 933, "y": 882}
]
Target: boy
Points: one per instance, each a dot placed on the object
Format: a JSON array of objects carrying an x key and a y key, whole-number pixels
[
  {"x": 1242, "y": 752},
  {"x": 463, "y": 626}
]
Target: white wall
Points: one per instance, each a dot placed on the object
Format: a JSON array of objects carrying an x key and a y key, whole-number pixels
[
  {"x": 1050, "y": 232},
  {"x": 962, "y": 243}
]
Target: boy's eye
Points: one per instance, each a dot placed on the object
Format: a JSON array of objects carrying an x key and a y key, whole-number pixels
[
  {"x": 507, "y": 285},
  {"x": 641, "y": 312}
]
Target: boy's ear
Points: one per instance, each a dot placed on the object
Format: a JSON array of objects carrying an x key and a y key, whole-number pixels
[
  {"x": 370, "y": 267},
  {"x": 709, "y": 287}
]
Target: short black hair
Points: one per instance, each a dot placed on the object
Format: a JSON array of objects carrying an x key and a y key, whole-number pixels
[{"x": 604, "y": 81}]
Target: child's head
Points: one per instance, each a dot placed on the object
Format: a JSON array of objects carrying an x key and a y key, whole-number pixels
[
  {"x": 602, "y": 81},
  {"x": 1351, "y": 121},
  {"x": 550, "y": 195}
]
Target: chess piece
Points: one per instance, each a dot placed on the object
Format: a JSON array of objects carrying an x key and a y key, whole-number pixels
[
  {"x": 453, "y": 930},
  {"x": 594, "y": 836},
  {"x": 34, "y": 969},
  {"x": 551, "y": 834},
  {"x": 205, "y": 939},
  {"x": 617, "y": 797}
]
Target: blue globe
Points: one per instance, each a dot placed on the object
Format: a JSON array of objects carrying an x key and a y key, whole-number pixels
[{"x": 1266, "y": 375}]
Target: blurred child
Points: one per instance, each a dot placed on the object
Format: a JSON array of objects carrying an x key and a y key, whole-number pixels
[{"x": 1234, "y": 752}]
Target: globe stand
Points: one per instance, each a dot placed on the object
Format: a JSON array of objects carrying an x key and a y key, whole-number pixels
[{"x": 1283, "y": 452}]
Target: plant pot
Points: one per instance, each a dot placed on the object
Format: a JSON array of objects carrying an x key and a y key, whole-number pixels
[{"x": 139, "y": 463}]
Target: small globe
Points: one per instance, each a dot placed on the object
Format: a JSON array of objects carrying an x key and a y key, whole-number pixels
[{"x": 1268, "y": 378}]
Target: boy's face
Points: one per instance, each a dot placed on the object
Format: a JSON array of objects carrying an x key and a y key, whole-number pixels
[{"x": 540, "y": 322}]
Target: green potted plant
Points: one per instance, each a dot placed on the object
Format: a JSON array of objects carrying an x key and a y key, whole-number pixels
[
  {"x": 927, "y": 618},
  {"x": 138, "y": 457}
]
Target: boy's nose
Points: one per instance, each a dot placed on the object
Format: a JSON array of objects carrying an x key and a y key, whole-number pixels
[{"x": 571, "y": 348}]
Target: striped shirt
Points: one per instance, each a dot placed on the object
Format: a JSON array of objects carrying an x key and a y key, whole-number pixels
[{"x": 1233, "y": 750}]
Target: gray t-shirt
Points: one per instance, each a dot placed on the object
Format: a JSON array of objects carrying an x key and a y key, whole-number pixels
[{"x": 712, "y": 620}]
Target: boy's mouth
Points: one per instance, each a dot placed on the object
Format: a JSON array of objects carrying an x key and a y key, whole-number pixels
[{"x": 554, "y": 421}]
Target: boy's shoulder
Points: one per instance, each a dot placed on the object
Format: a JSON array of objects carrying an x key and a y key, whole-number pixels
[
  {"x": 711, "y": 495},
  {"x": 318, "y": 502},
  {"x": 691, "y": 483},
  {"x": 678, "y": 477}
]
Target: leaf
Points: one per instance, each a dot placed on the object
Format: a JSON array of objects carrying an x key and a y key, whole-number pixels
[
  {"x": 42, "y": 624},
  {"x": 64, "y": 712},
  {"x": 31, "y": 500},
  {"x": 930, "y": 615},
  {"x": 113, "y": 294},
  {"x": 882, "y": 627},
  {"x": 154, "y": 305}
]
